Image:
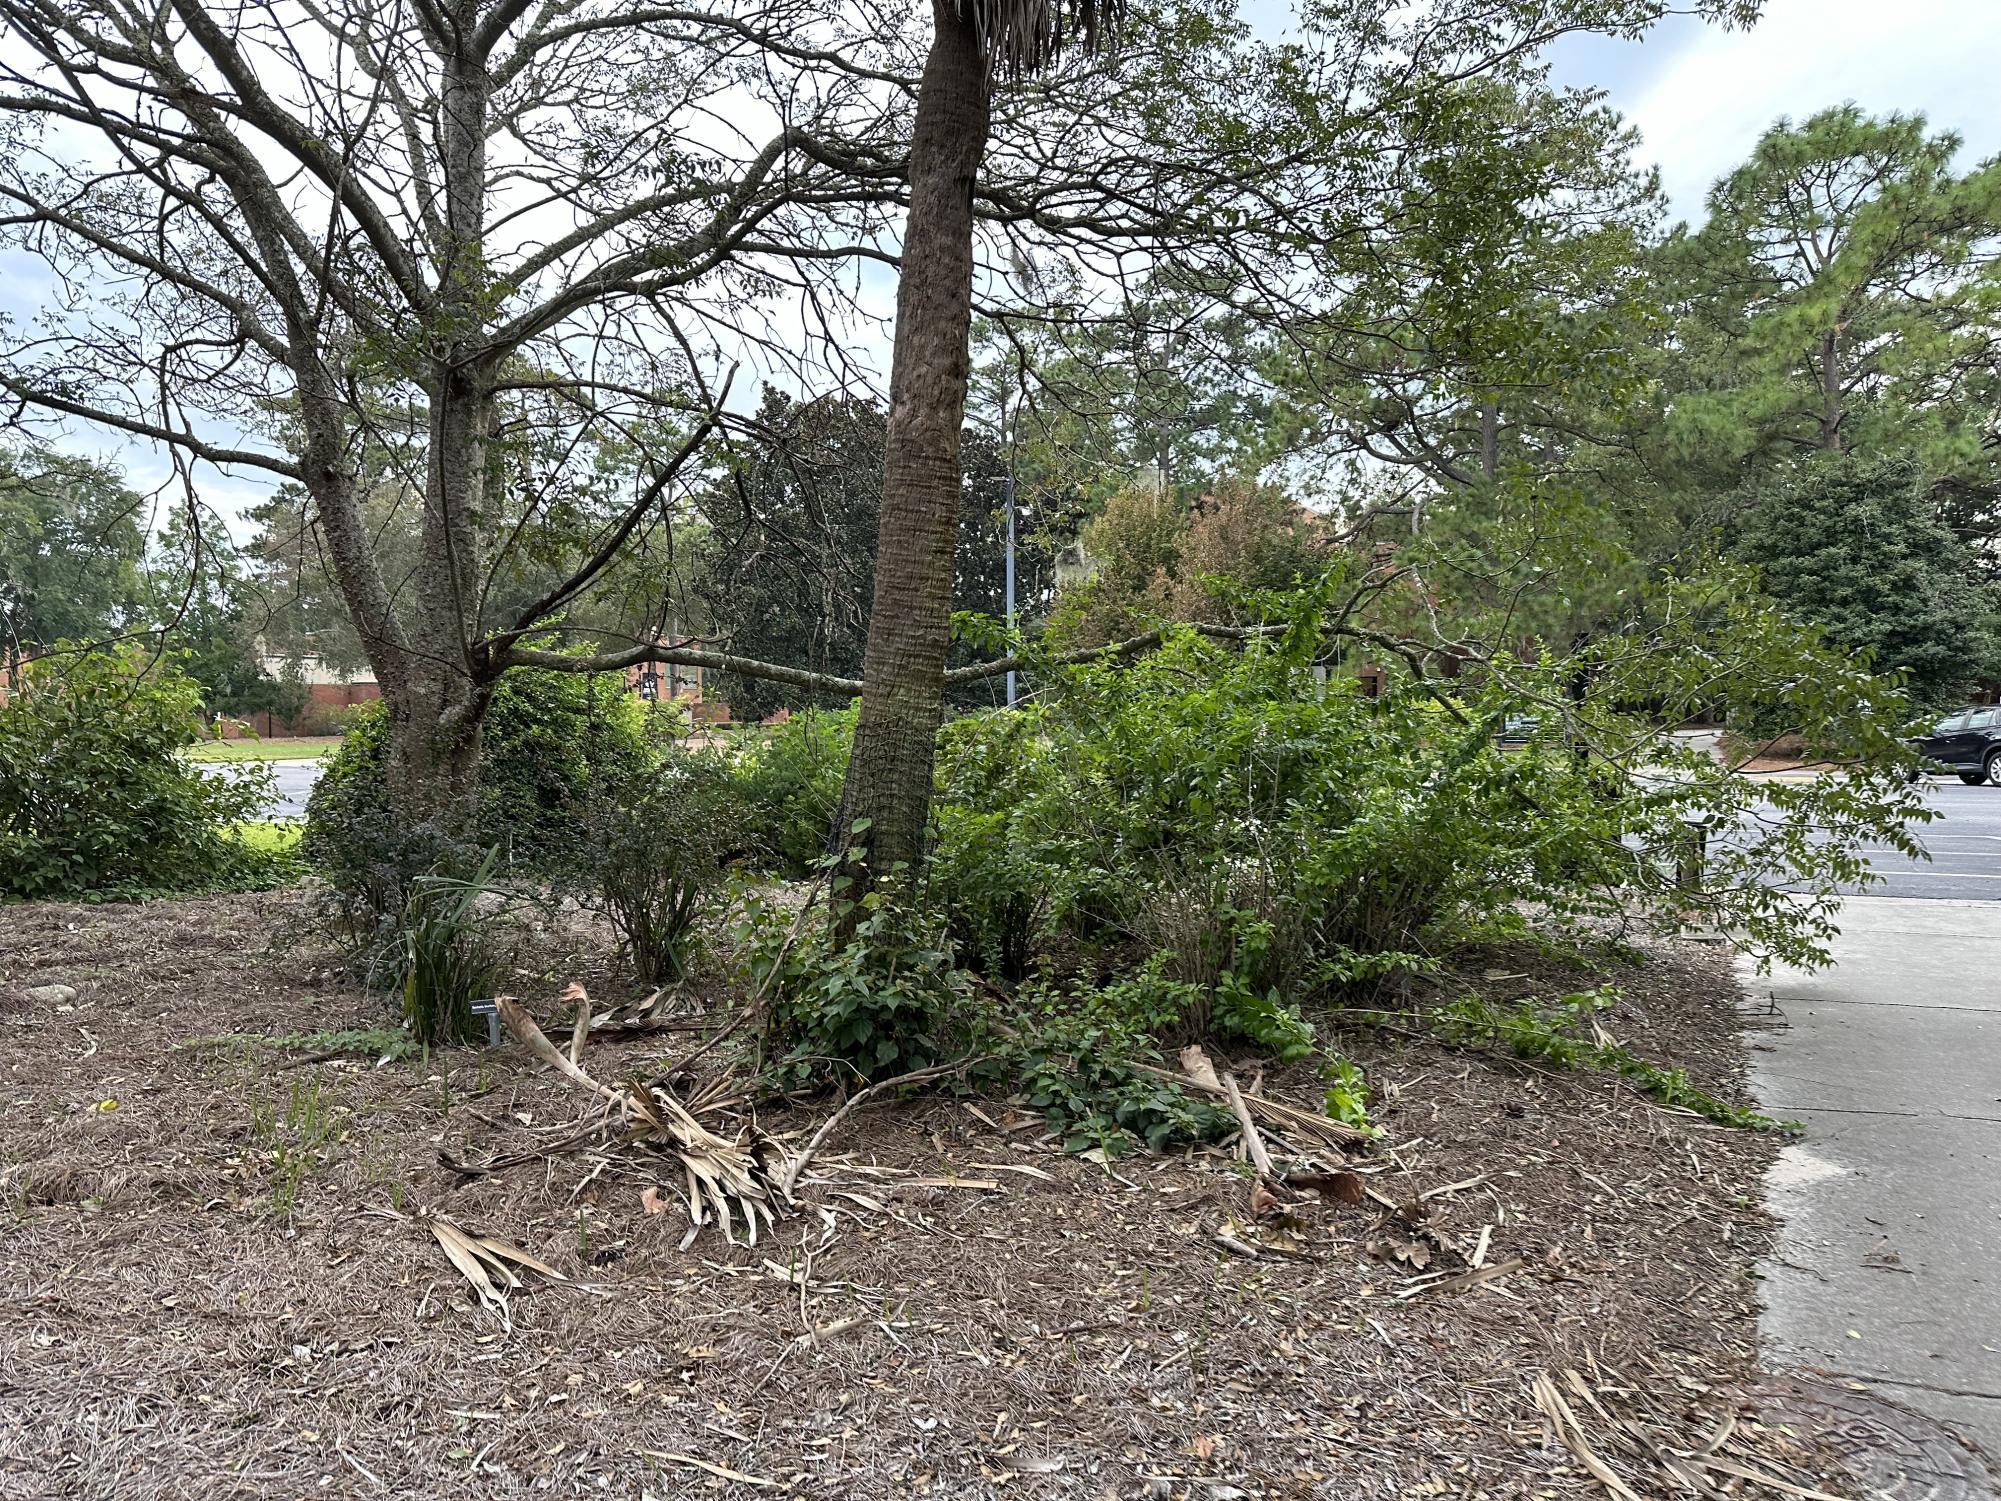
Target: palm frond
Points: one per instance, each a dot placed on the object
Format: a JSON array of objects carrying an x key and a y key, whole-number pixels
[{"x": 1026, "y": 36}]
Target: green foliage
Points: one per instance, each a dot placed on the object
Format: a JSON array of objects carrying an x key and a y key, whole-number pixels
[
  {"x": 295, "y": 1136},
  {"x": 1854, "y": 546},
  {"x": 95, "y": 797},
  {"x": 1842, "y": 295},
  {"x": 1285, "y": 839},
  {"x": 1072, "y": 1058},
  {"x": 549, "y": 739},
  {"x": 1267, "y": 839},
  {"x": 885, "y": 1000},
  {"x": 789, "y": 781},
  {"x": 1548, "y": 1033},
  {"x": 1261, "y": 1017},
  {"x": 444, "y": 955},
  {"x": 71, "y": 540},
  {"x": 1347, "y": 1099},
  {"x": 655, "y": 846}
]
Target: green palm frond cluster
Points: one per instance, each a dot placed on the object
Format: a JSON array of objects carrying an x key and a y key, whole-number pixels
[{"x": 1019, "y": 37}]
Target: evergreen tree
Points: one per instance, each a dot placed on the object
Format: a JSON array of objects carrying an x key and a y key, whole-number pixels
[
  {"x": 1842, "y": 297},
  {"x": 1852, "y": 545}
]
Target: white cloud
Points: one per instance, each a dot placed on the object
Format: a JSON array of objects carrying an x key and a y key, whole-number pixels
[{"x": 1717, "y": 92}]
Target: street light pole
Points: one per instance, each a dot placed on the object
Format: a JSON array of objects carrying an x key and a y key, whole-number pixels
[{"x": 1010, "y": 572}]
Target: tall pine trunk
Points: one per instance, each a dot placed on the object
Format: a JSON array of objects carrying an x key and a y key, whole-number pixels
[{"x": 903, "y": 670}]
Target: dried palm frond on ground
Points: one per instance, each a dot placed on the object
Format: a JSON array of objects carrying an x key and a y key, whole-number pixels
[
  {"x": 728, "y": 1181},
  {"x": 485, "y": 1262},
  {"x": 1638, "y": 1439}
]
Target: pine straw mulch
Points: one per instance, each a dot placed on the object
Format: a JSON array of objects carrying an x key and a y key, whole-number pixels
[{"x": 959, "y": 1310}]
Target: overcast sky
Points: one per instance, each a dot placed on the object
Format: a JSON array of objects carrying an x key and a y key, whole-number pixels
[
  {"x": 1702, "y": 95},
  {"x": 1699, "y": 94}
]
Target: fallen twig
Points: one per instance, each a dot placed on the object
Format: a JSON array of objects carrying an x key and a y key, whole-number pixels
[
  {"x": 1473, "y": 1278},
  {"x": 702, "y": 1464},
  {"x": 916, "y": 1076},
  {"x": 574, "y": 991},
  {"x": 1254, "y": 1144}
]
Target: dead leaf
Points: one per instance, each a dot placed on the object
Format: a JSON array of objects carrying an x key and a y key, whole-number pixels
[
  {"x": 484, "y": 1262},
  {"x": 1342, "y": 1187},
  {"x": 1195, "y": 1063},
  {"x": 1413, "y": 1253},
  {"x": 653, "y": 1201}
]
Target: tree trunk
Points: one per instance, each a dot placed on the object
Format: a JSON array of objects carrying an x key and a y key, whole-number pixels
[
  {"x": 903, "y": 669},
  {"x": 1830, "y": 391},
  {"x": 435, "y": 720},
  {"x": 433, "y": 770}
]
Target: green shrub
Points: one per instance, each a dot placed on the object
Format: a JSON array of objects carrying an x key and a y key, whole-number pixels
[
  {"x": 549, "y": 738},
  {"x": 445, "y": 955},
  {"x": 655, "y": 851},
  {"x": 1285, "y": 840},
  {"x": 995, "y": 895},
  {"x": 888, "y": 1000},
  {"x": 1073, "y": 1055},
  {"x": 1262, "y": 839},
  {"x": 95, "y": 797},
  {"x": 789, "y": 781}
]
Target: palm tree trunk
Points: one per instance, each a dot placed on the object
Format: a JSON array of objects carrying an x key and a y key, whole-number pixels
[{"x": 903, "y": 669}]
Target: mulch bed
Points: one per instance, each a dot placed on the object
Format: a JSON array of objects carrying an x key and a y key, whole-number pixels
[{"x": 171, "y": 1326}]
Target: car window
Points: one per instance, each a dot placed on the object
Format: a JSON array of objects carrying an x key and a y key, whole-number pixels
[
  {"x": 1951, "y": 725},
  {"x": 1984, "y": 719}
]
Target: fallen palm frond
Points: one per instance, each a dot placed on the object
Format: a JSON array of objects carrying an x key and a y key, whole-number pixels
[
  {"x": 486, "y": 1262},
  {"x": 1623, "y": 1426},
  {"x": 731, "y": 1181}
]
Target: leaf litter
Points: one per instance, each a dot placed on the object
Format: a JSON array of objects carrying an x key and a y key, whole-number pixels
[{"x": 1573, "y": 1229}]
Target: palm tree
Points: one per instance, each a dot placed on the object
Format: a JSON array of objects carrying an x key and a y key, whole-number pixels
[{"x": 974, "y": 43}]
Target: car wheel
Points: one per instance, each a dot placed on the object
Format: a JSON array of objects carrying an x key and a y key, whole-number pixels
[
  {"x": 1993, "y": 767},
  {"x": 1980, "y": 774}
]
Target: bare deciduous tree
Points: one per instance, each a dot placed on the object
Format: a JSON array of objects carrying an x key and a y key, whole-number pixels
[{"x": 292, "y": 234}]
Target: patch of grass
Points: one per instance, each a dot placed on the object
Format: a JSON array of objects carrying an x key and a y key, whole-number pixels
[
  {"x": 361, "y": 1042},
  {"x": 300, "y": 748},
  {"x": 295, "y": 1135},
  {"x": 1543, "y": 1031},
  {"x": 269, "y": 836}
]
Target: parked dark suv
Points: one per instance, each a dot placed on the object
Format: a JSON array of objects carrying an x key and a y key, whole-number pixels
[{"x": 1967, "y": 741}]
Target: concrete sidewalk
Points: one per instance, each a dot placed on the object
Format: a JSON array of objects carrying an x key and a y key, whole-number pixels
[{"x": 1888, "y": 1268}]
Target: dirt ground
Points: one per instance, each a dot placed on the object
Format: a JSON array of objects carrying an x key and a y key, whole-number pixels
[{"x": 209, "y": 1286}]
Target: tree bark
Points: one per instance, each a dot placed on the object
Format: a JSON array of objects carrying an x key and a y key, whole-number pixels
[
  {"x": 1830, "y": 391},
  {"x": 434, "y": 723},
  {"x": 903, "y": 666}
]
